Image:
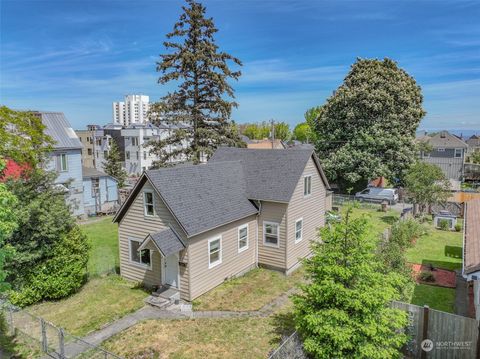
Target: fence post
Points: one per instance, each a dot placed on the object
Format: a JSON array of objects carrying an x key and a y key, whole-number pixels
[
  {"x": 44, "y": 335},
  {"x": 425, "y": 329},
  {"x": 61, "y": 343}
]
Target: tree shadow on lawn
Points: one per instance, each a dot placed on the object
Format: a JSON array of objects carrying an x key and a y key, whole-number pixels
[
  {"x": 451, "y": 266},
  {"x": 390, "y": 219},
  {"x": 283, "y": 326},
  {"x": 453, "y": 251}
]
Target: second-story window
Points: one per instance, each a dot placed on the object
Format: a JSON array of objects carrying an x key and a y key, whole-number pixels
[
  {"x": 307, "y": 185},
  {"x": 458, "y": 152},
  {"x": 63, "y": 162},
  {"x": 127, "y": 155},
  {"x": 148, "y": 203}
]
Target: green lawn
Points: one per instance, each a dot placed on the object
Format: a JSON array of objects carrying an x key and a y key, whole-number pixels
[
  {"x": 103, "y": 237},
  {"x": 249, "y": 292},
  {"x": 99, "y": 302},
  {"x": 379, "y": 220},
  {"x": 442, "y": 249},
  {"x": 435, "y": 297}
]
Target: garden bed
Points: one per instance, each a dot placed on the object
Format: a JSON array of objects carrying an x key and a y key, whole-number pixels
[{"x": 442, "y": 277}]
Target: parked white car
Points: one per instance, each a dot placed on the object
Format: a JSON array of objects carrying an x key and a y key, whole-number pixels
[{"x": 377, "y": 194}]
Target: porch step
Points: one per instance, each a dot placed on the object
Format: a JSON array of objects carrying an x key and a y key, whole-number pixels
[
  {"x": 158, "y": 301},
  {"x": 168, "y": 293}
]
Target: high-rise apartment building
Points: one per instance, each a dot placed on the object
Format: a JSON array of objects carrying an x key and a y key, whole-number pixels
[{"x": 133, "y": 110}]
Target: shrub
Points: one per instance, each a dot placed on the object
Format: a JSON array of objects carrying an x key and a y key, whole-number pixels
[
  {"x": 443, "y": 224},
  {"x": 458, "y": 227},
  {"x": 405, "y": 232},
  {"x": 426, "y": 276},
  {"x": 63, "y": 274}
]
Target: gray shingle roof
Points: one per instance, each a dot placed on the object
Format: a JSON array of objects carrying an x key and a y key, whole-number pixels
[
  {"x": 446, "y": 140},
  {"x": 92, "y": 172},
  {"x": 203, "y": 197},
  {"x": 271, "y": 175},
  {"x": 167, "y": 241},
  {"x": 59, "y": 129}
]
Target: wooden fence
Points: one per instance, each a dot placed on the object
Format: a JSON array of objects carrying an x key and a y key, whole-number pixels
[{"x": 439, "y": 335}]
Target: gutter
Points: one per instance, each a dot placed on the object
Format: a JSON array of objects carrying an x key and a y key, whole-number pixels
[{"x": 464, "y": 241}]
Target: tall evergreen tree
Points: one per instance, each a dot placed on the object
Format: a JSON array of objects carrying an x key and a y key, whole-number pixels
[
  {"x": 113, "y": 166},
  {"x": 203, "y": 102}
]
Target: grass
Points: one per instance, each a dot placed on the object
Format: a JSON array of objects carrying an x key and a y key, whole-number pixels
[
  {"x": 103, "y": 237},
  {"x": 100, "y": 301},
  {"x": 435, "y": 297},
  {"x": 379, "y": 220},
  {"x": 204, "y": 338},
  {"x": 249, "y": 292},
  {"x": 442, "y": 249}
]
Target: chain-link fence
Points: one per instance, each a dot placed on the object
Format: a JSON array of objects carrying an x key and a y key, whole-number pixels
[
  {"x": 291, "y": 348},
  {"x": 45, "y": 339}
]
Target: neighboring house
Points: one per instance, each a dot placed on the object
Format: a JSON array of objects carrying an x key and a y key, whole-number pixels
[
  {"x": 100, "y": 192},
  {"x": 66, "y": 158},
  {"x": 192, "y": 227},
  {"x": 266, "y": 144},
  {"x": 471, "y": 250},
  {"x": 473, "y": 145},
  {"x": 96, "y": 146},
  {"x": 448, "y": 152}
]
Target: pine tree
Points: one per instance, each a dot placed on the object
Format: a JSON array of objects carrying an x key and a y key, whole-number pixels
[
  {"x": 202, "y": 104},
  {"x": 113, "y": 166}
]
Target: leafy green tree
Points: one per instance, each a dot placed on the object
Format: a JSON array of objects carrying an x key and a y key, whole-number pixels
[
  {"x": 22, "y": 137},
  {"x": 366, "y": 129},
  {"x": 343, "y": 311},
  {"x": 426, "y": 185},
  {"x": 44, "y": 256},
  {"x": 8, "y": 223},
  {"x": 282, "y": 131},
  {"x": 202, "y": 103},
  {"x": 302, "y": 132},
  {"x": 475, "y": 157},
  {"x": 113, "y": 166}
]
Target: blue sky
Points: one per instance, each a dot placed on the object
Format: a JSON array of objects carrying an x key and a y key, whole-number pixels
[{"x": 80, "y": 56}]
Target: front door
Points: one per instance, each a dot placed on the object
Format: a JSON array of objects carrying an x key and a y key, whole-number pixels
[{"x": 171, "y": 270}]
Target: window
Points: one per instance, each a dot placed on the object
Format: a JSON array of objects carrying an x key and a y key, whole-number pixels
[
  {"x": 458, "y": 152},
  {"x": 127, "y": 155},
  {"x": 134, "y": 141},
  {"x": 89, "y": 151},
  {"x": 143, "y": 257},
  {"x": 144, "y": 155},
  {"x": 214, "y": 252},
  {"x": 307, "y": 185},
  {"x": 97, "y": 153},
  {"x": 298, "y": 230},
  {"x": 441, "y": 149},
  {"x": 137, "y": 155},
  {"x": 242, "y": 238},
  {"x": 148, "y": 203},
  {"x": 63, "y": 162},
  {"x": 270, "y": 234},
  {"x": 95, "y": 186}
]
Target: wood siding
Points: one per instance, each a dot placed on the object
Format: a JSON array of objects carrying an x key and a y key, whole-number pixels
[
  {"x": 311, "y": 209},
  {"x": 268, "y": 255},
  {"x": 136, "y": 225},
  {"x": 203, "y": 278}
]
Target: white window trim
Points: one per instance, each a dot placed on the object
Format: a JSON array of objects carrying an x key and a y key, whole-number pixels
[
  {"x": 240, "y": 228},
  {"x": 66, "y": 162},
  {"x": 265, "y": 243},
  {"x": 308, "y": 194},
  {"x": 138, "y": 264},
  {"x": 145, "y": 204},
  {"x": 455, "y": 153},
  {"x": 219, "y": 261},
  {"x": 301, "y": 230}
]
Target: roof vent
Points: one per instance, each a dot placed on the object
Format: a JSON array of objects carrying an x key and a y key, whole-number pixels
[{"x": 443, "y": 134}]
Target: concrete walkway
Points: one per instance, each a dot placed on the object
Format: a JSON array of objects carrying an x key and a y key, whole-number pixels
[
  {"x": 172, "y": 312},
  {"x": 461, "y": 295}
]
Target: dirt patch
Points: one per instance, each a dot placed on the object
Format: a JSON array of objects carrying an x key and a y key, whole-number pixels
[{"x": 443, "y": 277}]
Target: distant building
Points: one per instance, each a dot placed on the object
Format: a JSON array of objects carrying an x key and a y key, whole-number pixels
[
  {"x": 473, "y": 144},
  {"x": 448, "y": 152},
  {"x": 266, "y": 144},
  {"x": 133, "y": 110},
  {"x": 96, "y": 146},
  {"x": 65, "y": 159}
]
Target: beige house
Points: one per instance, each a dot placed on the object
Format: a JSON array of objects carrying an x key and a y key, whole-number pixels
[{"x": 189, "y": 228}]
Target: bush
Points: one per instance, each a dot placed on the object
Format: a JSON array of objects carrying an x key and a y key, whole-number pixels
[
  {"x": 443, "y": 224},
  {"x": 404, "y": 233},
  {"x": 426, "y": 276},
  {"x": 63, "y": 274},
  {"x": 458, "y": 227}
]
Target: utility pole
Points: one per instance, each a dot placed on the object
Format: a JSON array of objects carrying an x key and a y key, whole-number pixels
[{"x": 273, "y": 132}]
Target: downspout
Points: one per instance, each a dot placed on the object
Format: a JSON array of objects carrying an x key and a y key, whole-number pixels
[
  {"x": 464, "y": 238},
  {"x": 256, "y": 233}
]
